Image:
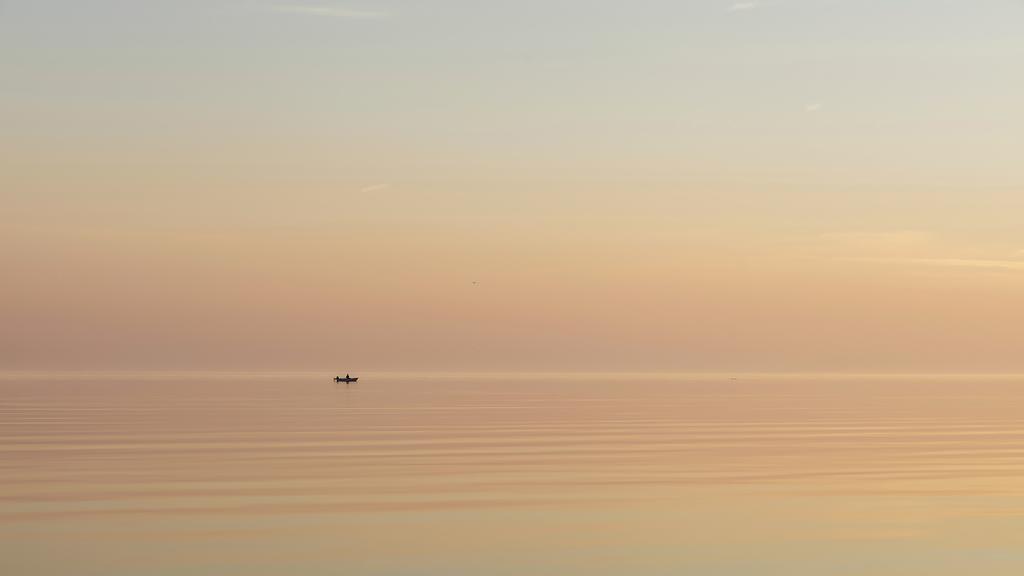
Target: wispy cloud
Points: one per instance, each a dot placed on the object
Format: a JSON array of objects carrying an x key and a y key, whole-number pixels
[
  {"x": 813, "y": 107},
  {"x": 744, "y": 6},
  {"x": 329, "y": 11},
  {"x": 914, "y": 249},
  {"x": 948, "y": 262},
  {"x": 374, "y": 188}
]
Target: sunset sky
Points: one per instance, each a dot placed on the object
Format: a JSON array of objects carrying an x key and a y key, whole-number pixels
[{"x": 692, "y": 185}]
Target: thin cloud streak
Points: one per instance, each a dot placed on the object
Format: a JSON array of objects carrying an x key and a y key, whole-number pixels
[
  {"x": 947, "y": 262},
  {"x": 374, "y": 188},
  {"x": 743, "y": 6},
  {"x": 329, "y": 11}
]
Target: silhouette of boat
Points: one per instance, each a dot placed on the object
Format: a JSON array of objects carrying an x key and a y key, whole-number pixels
[{"x": 347, "y": 378}]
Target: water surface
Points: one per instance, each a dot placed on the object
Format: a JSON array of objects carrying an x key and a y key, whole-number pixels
[{"x": 224, "y": 474}]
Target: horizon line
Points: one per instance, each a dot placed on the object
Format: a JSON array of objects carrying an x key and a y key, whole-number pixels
[{"x": 280, "y": 373}]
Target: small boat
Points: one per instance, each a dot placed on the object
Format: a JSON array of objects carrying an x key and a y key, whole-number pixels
[{"x": 347, "y": 378}]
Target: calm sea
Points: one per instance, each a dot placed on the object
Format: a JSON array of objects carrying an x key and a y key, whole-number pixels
[{"x": 255, "y": 474}]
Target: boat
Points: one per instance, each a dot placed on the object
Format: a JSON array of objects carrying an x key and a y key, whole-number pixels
[{"x": 347, "y": 378}]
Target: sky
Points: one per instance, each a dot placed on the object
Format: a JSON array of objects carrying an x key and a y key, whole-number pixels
[{"x": 694, "y": 185}]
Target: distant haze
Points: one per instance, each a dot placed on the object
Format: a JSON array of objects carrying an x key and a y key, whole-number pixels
[{"x": 561, "y": 185}]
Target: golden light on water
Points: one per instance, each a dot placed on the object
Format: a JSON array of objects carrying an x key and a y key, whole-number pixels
[{"x": 580, "y": 474}]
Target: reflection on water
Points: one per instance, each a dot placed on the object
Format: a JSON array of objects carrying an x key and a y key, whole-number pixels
[{"x": 170, "y": 474}]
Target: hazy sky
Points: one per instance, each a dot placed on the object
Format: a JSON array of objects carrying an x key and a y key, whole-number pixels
[{"x": 645, "y": 185}]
